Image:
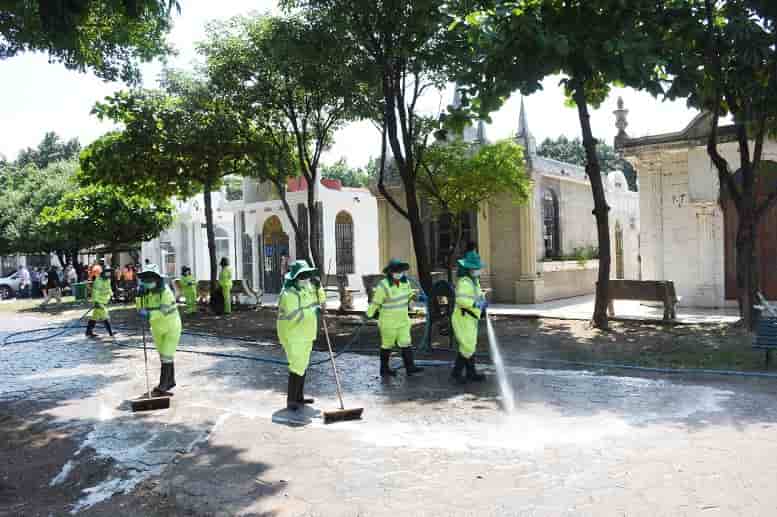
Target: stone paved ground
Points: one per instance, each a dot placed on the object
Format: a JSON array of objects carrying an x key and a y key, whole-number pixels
[{"x": 579, "y": 443}]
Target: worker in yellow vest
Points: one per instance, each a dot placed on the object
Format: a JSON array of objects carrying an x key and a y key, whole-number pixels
[
  {"x": 390, "y": 304},
  {"x": 189, "y": 288},
  {"x": 298, "y": 308},
  {"x": 101, "y": 296},
  {"x": 470, "y": 307},
  {"x": 225, "y": 281},
  {"x": 156, "y": 303}
]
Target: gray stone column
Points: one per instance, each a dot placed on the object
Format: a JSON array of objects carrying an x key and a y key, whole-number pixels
[{"x": 529, "y": 287}]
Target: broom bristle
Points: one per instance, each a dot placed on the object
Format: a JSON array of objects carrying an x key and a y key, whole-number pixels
[
  {"x": 342, "y": 415},
  {"x": 150, "y": 404}
]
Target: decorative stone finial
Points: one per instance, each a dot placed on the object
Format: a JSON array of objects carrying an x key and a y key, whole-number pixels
[{"x": 621, "y": 123}]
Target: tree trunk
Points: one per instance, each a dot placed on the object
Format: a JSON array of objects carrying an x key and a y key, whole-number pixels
[
  {"x": 209, "y": 230},
  {"x": 600, "y": 211},
  {"x": 419, "y": 239},
  {"x": 747, "y": 261},
  {"x": 61, "y": 256},
  {"x": 314, "y": 236},
  {"x": 299, "y": 237},
  {"x": 456, "y": 223}
]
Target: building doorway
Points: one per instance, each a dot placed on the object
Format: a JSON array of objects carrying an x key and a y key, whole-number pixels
[{"x": 274, "y": 250}]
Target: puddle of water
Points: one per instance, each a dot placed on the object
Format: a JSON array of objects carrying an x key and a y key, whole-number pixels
[{"x": 505, "y": 388}]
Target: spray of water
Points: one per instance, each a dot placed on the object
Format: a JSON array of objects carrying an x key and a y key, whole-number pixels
[{"x": 506, "y": 389}]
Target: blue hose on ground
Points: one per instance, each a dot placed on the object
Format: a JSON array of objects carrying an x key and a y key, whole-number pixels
[{"x": 63, "y": 329}]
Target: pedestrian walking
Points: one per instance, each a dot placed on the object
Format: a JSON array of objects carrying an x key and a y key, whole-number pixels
[
  {"x": 390, "y": 304},
  {"x": 101, "y": 297},
  {"x": 53, "y": 287},
  {"x": 24, "y": 282}
]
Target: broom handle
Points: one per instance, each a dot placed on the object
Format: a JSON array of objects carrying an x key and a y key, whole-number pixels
[
  {"x": 329, "y": 345},
  {"x": 145, "y": 353}
]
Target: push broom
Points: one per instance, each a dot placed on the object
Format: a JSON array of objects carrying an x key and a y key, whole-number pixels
[
  {"x": 342, "y": 414},
  {"x": 147, "y": 402}
]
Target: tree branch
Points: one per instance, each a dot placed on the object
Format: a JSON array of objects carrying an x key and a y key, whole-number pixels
[{"x": 381, "y": 187}]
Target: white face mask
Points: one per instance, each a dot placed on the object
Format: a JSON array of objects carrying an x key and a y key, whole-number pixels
[
  {"x": 397, "y": 276},
  {"x": 304, "y": 284},
  {"x": 475, "y": 273}
]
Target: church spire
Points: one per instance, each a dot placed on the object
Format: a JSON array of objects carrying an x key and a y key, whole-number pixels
[{"x": 524, "y": 136}]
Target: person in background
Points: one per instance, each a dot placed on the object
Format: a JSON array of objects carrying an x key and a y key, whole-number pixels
[
  {"x": 53, "y": 286},
  {"x": 24, "y": 282},
  {"x": 35, "y": 282},
  {"x": 43, "y": 280},
  {"x": 101, "y": 296},
  {"x": 71, "y": 275},
  {"x": 225, "y": 281},
  {"x": 189, "y": 288}
]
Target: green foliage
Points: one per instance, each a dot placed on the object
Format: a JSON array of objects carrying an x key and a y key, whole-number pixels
[
  {"x": 349, "y": 176},
  {"x": 459, "y": 176},
  {"x": 572, "y": 151},
  {"x": 109, "y": 37},
  {"x": 51, "y": 149},
  {"x": 107, "y": 216}
]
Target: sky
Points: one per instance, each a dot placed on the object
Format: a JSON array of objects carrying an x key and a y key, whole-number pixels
[{"x": 37, "y": 96}]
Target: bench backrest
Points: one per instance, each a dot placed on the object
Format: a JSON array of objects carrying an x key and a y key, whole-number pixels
[{"x": 652, "y": 290}]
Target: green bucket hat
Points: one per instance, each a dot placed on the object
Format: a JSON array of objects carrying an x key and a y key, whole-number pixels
[
  {"x": 297, "y": 268},
  {"x": 471, "y": 260},
  {"x": 396, "y": 265}
]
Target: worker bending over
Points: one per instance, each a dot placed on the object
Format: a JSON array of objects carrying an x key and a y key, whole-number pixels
[
  {"x": 390, "y": 304},
  {"x": 298, "y": 309},
  {"x": 225, "y": 281},
  {"x": 156, "y": 304}
]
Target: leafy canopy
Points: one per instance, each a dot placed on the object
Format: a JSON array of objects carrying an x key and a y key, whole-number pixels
[{"x": 110, "y": 37}]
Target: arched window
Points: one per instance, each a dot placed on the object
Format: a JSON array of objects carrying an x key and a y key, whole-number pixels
[
  {"x": 550, "y": 225},
  {"x": 344, "y": 243}
]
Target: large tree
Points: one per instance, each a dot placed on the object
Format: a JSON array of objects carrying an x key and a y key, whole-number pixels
[
  {"x": 290, "y": 75},
  {"x": 514, "y": 44},
  {"x": 109, "y": 37},
  {"x": 177, "y": 141},
  {"x": 402, "y": 47},
  {"x": 722, "y": 57}
]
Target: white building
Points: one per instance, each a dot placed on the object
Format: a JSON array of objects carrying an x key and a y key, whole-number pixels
[
  {"x": 267, "y": 240},
  {"x": 688, "y": 229}
]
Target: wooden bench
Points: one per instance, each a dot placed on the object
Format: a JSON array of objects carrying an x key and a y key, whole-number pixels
[
  {"x": 241, "y": 288},
  {"x": 339, "y": 284},
  {"x": 644, "y": 290}
]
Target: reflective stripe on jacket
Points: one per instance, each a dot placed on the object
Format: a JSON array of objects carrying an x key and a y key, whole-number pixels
[
  {"x": 297, "y": 316},
  {"x": 392, "y": 300}
]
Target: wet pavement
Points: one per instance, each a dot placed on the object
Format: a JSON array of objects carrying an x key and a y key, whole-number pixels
[{"x": 579, "y": 442}]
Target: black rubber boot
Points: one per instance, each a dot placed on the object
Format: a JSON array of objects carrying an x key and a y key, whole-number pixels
[
  {"x": 385, "y": 360},
  {"x": 472, "y": 374},
  {"x": 407, "y": 359},
  {"x": 108, "y": 326},
  {"x": 301, "y": 398},
  {"x": 166, "y": 380},
  {"x": 292, "y": 393},
  {"x": 90, "y": 328},
  {"x": 458, "y": 370}
]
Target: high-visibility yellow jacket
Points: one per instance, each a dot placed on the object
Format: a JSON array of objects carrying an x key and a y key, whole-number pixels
[
  {"x": 189, "y": 285},
  {"x": 163, "y": 311},
  {"x": 297, "y": 316},
  {"x": 225, "y": 278},
  {"x": 392, "y": 299},
  {"x": 466, "y": 314}
]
